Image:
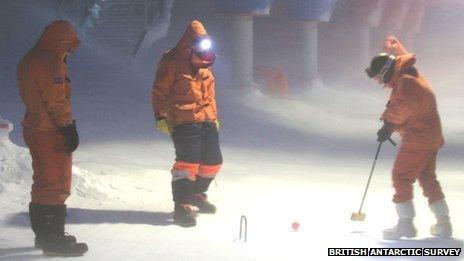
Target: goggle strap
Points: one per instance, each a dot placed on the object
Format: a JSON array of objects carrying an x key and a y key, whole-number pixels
[{"x": 386, "y": 67}]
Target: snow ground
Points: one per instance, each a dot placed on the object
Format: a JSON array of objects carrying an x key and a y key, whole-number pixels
[
  {"x": 121, "y": 203},
  {"x": 303, "y": 159}
]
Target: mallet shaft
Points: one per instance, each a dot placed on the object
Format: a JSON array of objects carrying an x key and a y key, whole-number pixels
[{"x": 370, "y": 176}]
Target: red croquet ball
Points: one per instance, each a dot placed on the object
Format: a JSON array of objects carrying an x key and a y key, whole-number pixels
[{"x": 295, "y": 226}]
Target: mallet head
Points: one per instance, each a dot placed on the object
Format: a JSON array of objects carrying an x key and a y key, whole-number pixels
[{"x": 358, "y": 216}]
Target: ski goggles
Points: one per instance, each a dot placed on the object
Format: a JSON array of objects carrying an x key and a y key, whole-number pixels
[{"x": 381, "y": 74}]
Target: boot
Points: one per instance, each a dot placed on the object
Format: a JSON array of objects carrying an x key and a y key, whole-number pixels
[
  {"x": 405, "y": 226},
  {"x": 56, "y": 246},
  {"x": 182, "y": 196},
  {"x": 36, "y": 216},
  {"x": 443, "y": 228},
  {"x": 200, "y": 198},
  {"x": 38, "y": 241},
  {"x": 184, "y": 215},
  {"x": 50, "y": 231},
  {"x": 202, "y": 203}
]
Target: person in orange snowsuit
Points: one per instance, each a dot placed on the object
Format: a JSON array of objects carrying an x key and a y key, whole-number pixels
[
  {"x": 184, "y": 106},
  {"x": 412, "y": 112},
  {"x": 274, "y": 79},
  {"x": 49, "y": 131}
]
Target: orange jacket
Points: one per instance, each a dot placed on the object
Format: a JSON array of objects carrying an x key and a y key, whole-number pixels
[
  {"x": 412, "y": 106},
  {"x": 276, "y": 79},
  {"x": 43, "y": 78},
  {"x": 180, "y": 94}
]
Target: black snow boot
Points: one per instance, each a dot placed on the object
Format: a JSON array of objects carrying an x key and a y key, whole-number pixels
[
  {"x": 37, "y": 217},
  {"x": 182, "y": 196},
  {"x": 200, "y": 198},
  {"x": 50, "y": 231},
  {"x": 184, "y": 215}
]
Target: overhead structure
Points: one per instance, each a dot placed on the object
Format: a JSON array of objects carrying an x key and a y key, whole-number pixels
[
  {"x": 311, "y": 13},
  {"x": 241, "y": 26},
  {"x": 403, "y": 18},
  {"x": 413, "y": 21},
  {"x": 125, "y": 27},
  {"x": 131, "y": 27},
  {"x": 351, "y": 25},
  {"x": 358, "y": 17}
]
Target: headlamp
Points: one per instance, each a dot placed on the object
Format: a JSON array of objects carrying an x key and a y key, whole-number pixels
[
  {"x": 204, "y": 44},
  {"x": 203, "y": 49}
]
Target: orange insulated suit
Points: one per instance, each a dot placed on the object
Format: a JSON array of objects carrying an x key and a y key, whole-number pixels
[
  {"x": 45, "y": 89},
  {"x": 184, "y": 105},
  {"x": 412, "y": 108},
  {"x": 184, "y": 97}
]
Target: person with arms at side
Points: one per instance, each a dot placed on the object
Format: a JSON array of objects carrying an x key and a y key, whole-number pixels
[
  {"x": 184, "y": 105},
  {"x": 49, "y": 131}
]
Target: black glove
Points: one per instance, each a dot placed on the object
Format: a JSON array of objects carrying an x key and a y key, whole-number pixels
[
  {"x": 385, "y": 132},
  {"x": 71, "y": 136}
]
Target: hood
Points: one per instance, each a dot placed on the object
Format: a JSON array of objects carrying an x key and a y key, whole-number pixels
[
  {"x": 194, "y": 30},
  {"x": 402, "y": 64},
  {"x": 58, "y": 37}
]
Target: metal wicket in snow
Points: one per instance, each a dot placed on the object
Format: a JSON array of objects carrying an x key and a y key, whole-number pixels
[{"x": 242, "y": 235}]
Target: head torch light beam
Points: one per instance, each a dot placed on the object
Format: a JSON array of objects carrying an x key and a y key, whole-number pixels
[{"x": 205, "y": 44}]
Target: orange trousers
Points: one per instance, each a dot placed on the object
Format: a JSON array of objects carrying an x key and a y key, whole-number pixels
[
  {"x": 52, "y": 166},
  {"x": 416, "y": 164}
]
